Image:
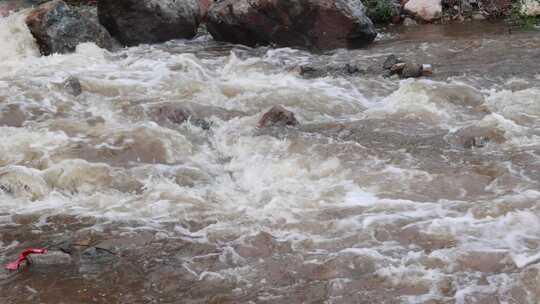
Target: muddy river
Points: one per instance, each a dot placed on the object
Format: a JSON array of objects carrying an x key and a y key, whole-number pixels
[{"x": 389, "y": 191}]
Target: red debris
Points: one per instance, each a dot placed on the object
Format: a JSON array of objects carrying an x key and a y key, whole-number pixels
[{"x": 22, "y": 257}]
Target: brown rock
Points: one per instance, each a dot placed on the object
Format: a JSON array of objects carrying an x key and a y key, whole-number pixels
[
  {"x": 322, "y": 24},
  {"x": 278, "y": 116}
]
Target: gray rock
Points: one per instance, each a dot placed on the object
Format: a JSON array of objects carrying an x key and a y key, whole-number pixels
[
  {"x": 411, "y": 70},
  {"x": 323, "y": 24},
  {"x": 278, "y": 116},
  {"x": 134, "y": 22},
  {"x": 72, "y": 85},
  {"x": 390, "y": 62},
  {"x": 174, "y": 114},
  {"x": 59, "y": 28},
  {"x": 397, "y": 68},
  {"x": 50, "y": 258}
]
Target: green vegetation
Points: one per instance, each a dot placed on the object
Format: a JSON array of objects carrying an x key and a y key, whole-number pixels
[
  {"x": 381, "y": 11},
  {"x": 517, "y": 16}
]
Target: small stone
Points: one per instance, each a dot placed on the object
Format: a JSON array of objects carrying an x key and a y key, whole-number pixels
[
  {"x": 58, "y": 28},
  {"x": 278, "y": 116},
  {"x": 314, "y": 24},
  {"x": 72, "y": 85},
  {"x": 134, "y": 22},
  {"x": 50, "y": 258},
  {"x": 411, "y": 70},
  {"x": 351, "y": 69},
  {"x": 305, "y": 69}
]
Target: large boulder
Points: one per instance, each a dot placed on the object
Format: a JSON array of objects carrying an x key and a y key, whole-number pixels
[
  {"x": 58, "y": 28},
  {"x": 426, "y": 10},
  {"x": 134, "y": 22},
  {"x": 530, "y": 8},
  {"x": 320, "y": 24}
]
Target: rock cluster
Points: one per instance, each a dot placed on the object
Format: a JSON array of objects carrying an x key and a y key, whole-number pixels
[
  {"x": 278, "y": 116},
  {"x": 317, "y": 24}
]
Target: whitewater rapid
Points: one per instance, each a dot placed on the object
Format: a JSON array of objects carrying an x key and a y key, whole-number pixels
[{"x": 375, "y": 196}]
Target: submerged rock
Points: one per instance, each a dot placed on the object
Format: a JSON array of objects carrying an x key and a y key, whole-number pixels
[
  {"x": 134, "y": 22},
  {"x": 58, "y": 28},
  {"x": 278, "y": 116},
  {"x": 427, "y": 10},
  {"x": 173, "y": 114},
  {"x": 12, "y": 116},
  {"x": 324, "y": 24},
  {"x": 72, "y": 85}
]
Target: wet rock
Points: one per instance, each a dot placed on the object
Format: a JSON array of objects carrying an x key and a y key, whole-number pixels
[
  {"x": 426, "y": 10},
  {"x": 72, "y": 85},
  {"x": 390, "y": 62},
  {"x": 57, "y": 258},
  {"x": 93, "y": 256},
  {"x": 58, "y": 28},
  {"x": 172, "y": 113},
  {"x": 325, "y": 24},
  {"x": 134, "y": 22},
  {"x": 278, "y": 116},
  {"x": 411, "y": 70},
  {"x": 315, "y": 71}
]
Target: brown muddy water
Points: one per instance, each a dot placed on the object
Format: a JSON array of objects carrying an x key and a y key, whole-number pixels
[{"x": 390, "y": 191}]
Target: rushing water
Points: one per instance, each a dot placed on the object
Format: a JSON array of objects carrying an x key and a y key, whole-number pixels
[{"x": 376, "y": 198}]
